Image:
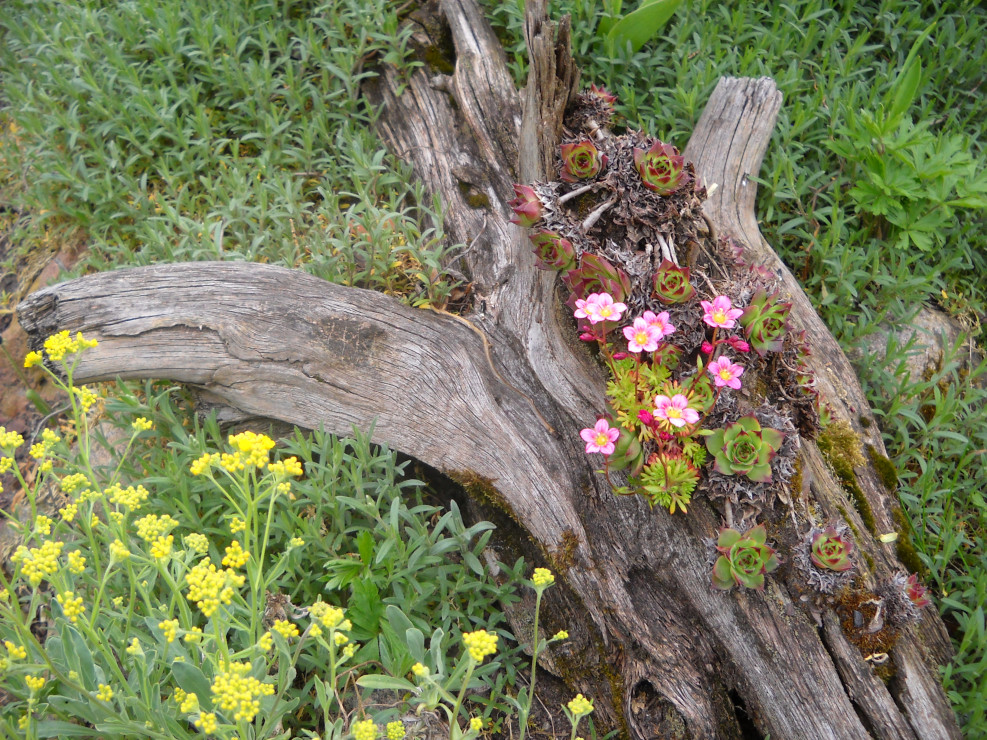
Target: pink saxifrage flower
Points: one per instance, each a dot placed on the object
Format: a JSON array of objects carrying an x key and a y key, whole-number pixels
[
  {"x": 599, "y": 307},
  {"x": 675, "y": 410},
  {"x": 600, "y": 438},
  {"x": 725, "y": 373},
  {"x": 659, "y": 322},
  {"x": 719, "y": 312},
  {"x": 642, "y": 336}
]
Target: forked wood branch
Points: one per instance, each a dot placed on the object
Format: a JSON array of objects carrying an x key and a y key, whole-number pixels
[{"x": 496, "y": 400}]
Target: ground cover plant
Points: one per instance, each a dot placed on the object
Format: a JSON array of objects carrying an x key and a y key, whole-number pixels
[
  {"x": 245, "y": 140},
  {"x": 844, "y": 136}
]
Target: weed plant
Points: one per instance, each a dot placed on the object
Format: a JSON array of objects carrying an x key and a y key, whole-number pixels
[
  {"x": 876, "y": 220},
  {"x": 163, "y": 132}
]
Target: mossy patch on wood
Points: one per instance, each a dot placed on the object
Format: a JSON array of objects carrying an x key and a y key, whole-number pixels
[
  {"x": 474, "y": 198},
  {"x": 886, "y": 470},
  {"x": 904, "y": 547},
  {"x": 842, "y": 449}
]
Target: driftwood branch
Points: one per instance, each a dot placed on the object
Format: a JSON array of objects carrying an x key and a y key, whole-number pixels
[{"x": 496, "y": 399}]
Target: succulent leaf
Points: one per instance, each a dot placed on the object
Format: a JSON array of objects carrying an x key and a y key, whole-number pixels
[
  {"x": 765, "y": 322},
  {"x": 744, "y": 558},
  {"x": 744, "y": 448},
  {"x": 527, "y": 206},
  {"x": 581, "y": 161},
  {"x": 830, "y": 551},
  {"x": 671, "y": 283},
  {"x": 662, "y": 168},
  {"x": 552, "y": 251}
]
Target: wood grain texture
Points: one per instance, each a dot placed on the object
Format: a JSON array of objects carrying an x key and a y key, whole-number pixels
[{"x": 663, "y": 654}]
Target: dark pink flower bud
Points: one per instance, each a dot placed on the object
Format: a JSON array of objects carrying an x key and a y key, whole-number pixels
[
  {"x": 620, "y": 355},
  {"x": 587, "y": 337},
  {"x": 738, "y": 344},
  {"x": 645, "y": 418},
  {"x": 581, "y": 161},
  {"x": 706, "y": 348},
  {"x": 665, "y": 436},
  {"x": 527, "y": 206}
]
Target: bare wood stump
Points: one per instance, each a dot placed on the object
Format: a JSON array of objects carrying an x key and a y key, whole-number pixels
[{"x": 496, "y": 402}]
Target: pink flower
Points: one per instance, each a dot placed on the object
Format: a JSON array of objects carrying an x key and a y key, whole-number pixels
[
  {"x": 642, "y": 336},
  {"x": 660, "y": 322},
  {"x": 725, "y": 373},
  {"x": 600, "y": 438},
  {"x": 738, "y": 344},
  {"x": 719, "y": 312},
  {"x": 675, "y": 410},
  {"x": 645, "y": 418},
  {"x": 599, "y": 307}
]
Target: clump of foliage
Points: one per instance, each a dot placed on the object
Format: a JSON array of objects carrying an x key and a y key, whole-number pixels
[{"x": 744, "y": 559}]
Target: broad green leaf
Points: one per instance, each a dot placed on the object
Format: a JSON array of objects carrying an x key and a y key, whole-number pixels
[
  {"x": 638, "y": 27},
  {"x": 192, "y": 680},
  {"x": 79, "y": 656},
  {"x": 385, "y": 682}
]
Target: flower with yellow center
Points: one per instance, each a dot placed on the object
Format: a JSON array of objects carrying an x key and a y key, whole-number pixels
[
  {"x": 61, "y": 344},
  {"x": 315, "y": 630},
  {"x": 480, "y": 644},
  {"x": 6, "y": 463},
  {"x": 285, "y": 628},
  {"x": 296, "y": 542},
  {"x": 132, "y": 498},
  {"x": 290, "y": 466},
  {"x": 330, "y": 616},
  {"x": 234, "y": 691},
  {"x": 365, "y": 729},
  {"x": 105, "y": 693}
]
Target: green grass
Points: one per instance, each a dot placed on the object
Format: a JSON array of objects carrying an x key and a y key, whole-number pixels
[
  {"x": 831, "y": 62},
  {"x": 234, "y": 130}
]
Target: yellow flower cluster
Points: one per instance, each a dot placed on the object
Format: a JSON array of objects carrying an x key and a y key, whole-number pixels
[
  {"x": 202, "y": 464},
  {"x": 16, "y": 652},
  {"x": 68, "y": 512},
  {"x": 152, "y": 526},
  {"x": 187, "y": 702},
  {"x": 118, "y": 550},
  {"x": 134, "y": 648},
  {"x": 253, "y": 448},
  {"x": 86, "y": 397},
  {"x": 480, "y": 644},
  {"x": 285, "y": 628},
  {"x": 542, "y": 578},
  {"x": 291, "y": 466},
  {"x": 420, "y": 670},
  {"x": 72, "y": 605},
  {"x": 170, "y": 629},
  {"x": 61, "y": 344},
  {"x": 130, "y": 497},
  {"x": 140, "y": 424},
  {"x": 193, "y": 635},
  {"x": 77, "y": 562},
  {"x": 105, "y": 693},
  {"x": 162, "y": 547},
  {"x": 196, "y": 542},
  {"x": 580, "y": 706},
  {"x": 395, "y": 730},
  {"x": 40, "y": 450},
  {"x": 236, "y": 556},
  {"x": 329, "y": 615},
  {"x": 6, "y": 463},
  {"x": 235, "y": 691},
  {"x": 476, "y": 723},
  {"x": 231, "y": 462},
  {"x": 237, "y": 525},
  {"x": 266, "y": 642},
  {"x": 42, "y": 524},
  {"x": 39, "y": 562},
  {"x": 10, "y": 440},
  {"x": 296, "y": 542},
  {"x": 365, "y": 729},
  {"x": 73, "y": 482},
  {"x": 206, "y": 722},
  {"x": 34, "y": 683},
  {"x": 32, "y": 358},
  {"x": 340, "y": 639},
  {"x": 561, "y": 635},
  {"x": 208, "y": 586}
]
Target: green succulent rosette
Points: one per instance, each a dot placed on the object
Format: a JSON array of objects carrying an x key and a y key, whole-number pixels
[
  {"x": 744, "y": 559},
  {"x": 744, "y": 448},
  {"x": 671, "y": 283},
  {"x": 831, "y": 551}
]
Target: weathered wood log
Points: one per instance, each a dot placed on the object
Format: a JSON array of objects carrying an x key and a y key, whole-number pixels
[{"x": 496, "y": 400}]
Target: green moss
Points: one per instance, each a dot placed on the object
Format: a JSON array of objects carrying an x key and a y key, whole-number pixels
[
  {"x": 563, "y": 557},
  {"x": 904, "y": 547},
  {"x": 841, "y": 447},
  {"x": 474, "y": 198},
  {"x": 886, "y": 470},
  {"x": 483, "y": 490},
  {"x": 438, "y": 60},
  {"x": 870, "y": 560},
  {"x": 849, "y": 521},
  {"x": 865, "y": 421}
]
